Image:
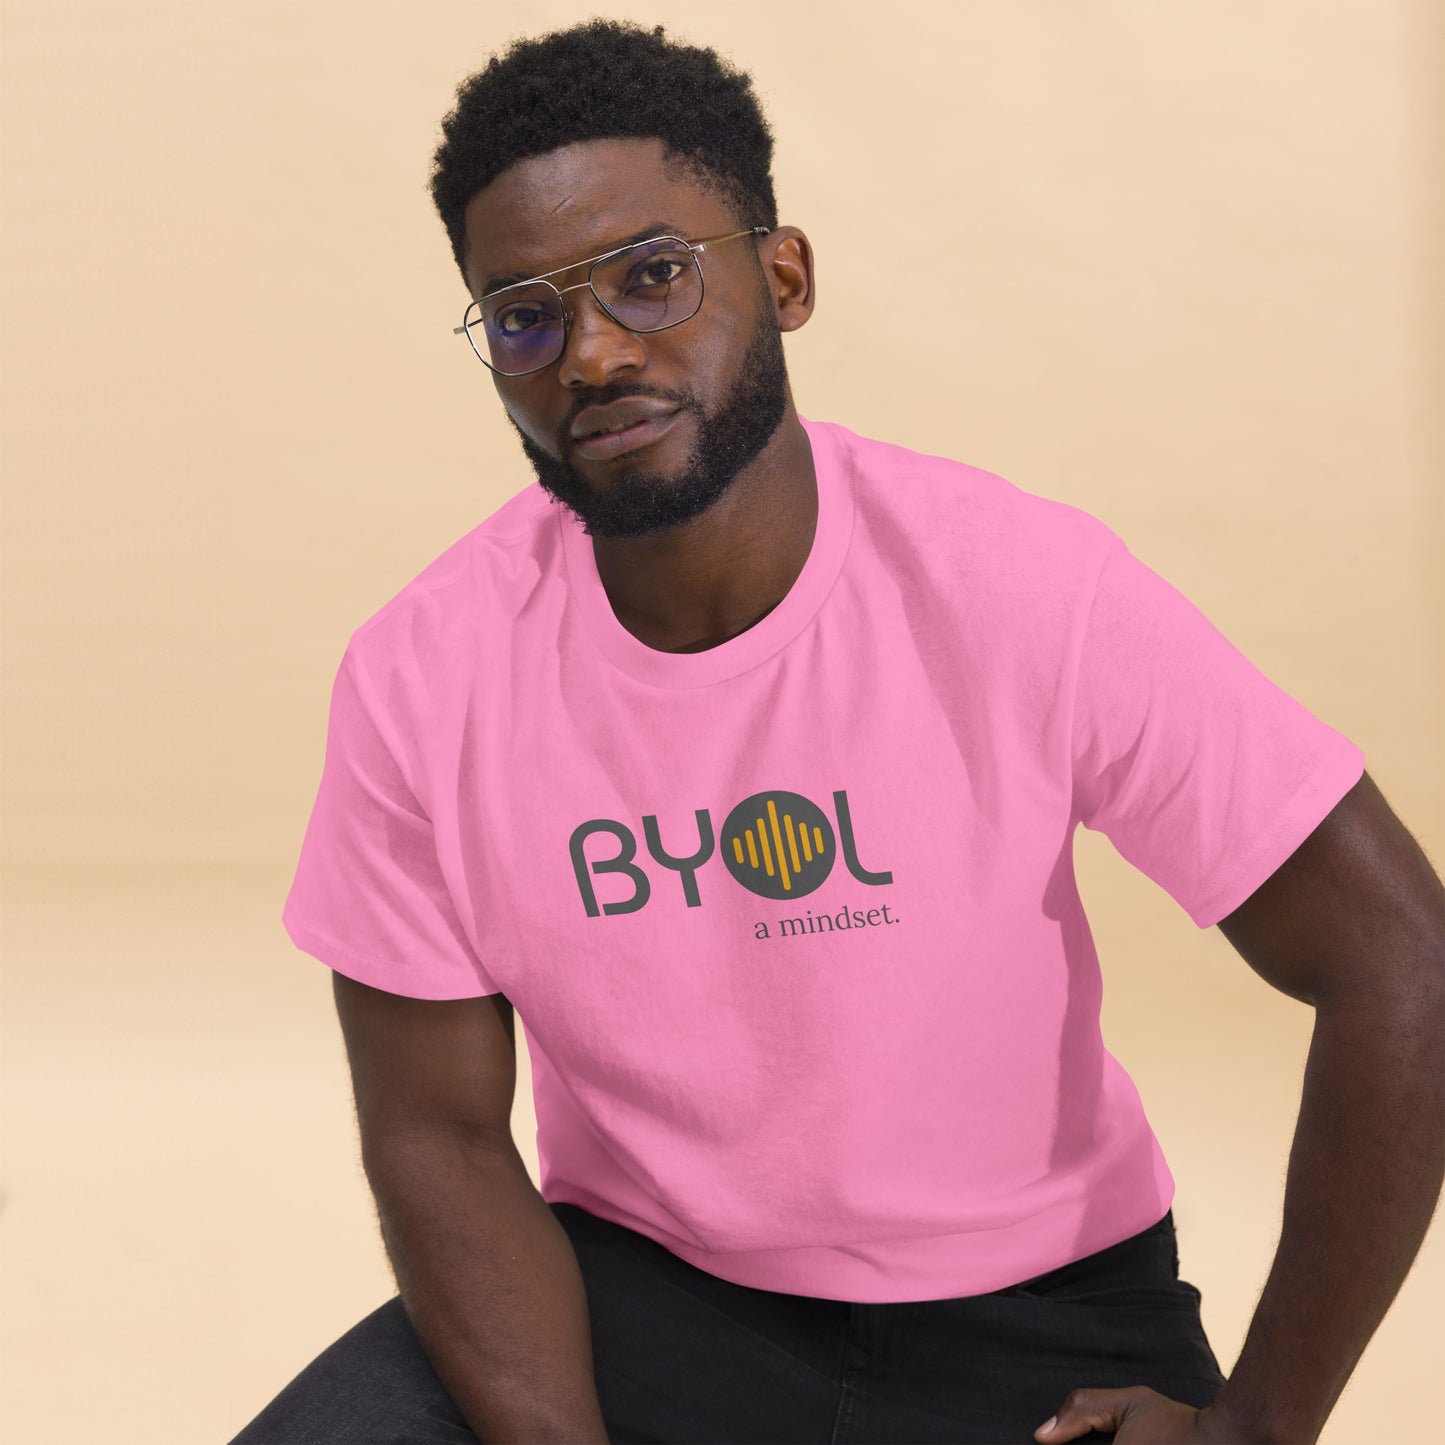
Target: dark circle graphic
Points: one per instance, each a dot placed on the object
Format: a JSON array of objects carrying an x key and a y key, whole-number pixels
[{"x": 778, "y": 845}]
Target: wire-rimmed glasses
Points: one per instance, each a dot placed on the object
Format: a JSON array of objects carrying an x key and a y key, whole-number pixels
[{"x": 649, "y": 285}]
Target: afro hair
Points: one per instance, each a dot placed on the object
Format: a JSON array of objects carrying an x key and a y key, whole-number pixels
[{"x": 596, "y": 81}]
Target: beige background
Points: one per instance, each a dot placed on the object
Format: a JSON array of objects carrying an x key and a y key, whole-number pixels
[{"x": 1189, "y": 258}]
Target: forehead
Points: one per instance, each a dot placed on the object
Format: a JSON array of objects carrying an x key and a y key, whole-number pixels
[{"x": 574, "y": 202}]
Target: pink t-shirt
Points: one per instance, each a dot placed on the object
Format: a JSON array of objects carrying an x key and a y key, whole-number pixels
[{"x": 791, "y": 924}]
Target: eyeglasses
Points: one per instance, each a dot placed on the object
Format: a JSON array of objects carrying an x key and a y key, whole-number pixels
[{"x": 648, "y": 286}]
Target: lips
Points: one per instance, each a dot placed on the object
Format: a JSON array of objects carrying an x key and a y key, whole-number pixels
[{"x": 602, "y": 432}]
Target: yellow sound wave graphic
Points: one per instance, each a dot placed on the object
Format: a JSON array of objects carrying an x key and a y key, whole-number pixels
[{"x": 782, "y": 840}]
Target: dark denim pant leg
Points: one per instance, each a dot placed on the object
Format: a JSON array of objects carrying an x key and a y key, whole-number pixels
[
  {"x": 684, "y": 1358},
  {"x": 679, "y": 1356},
  {"x": 374, "y": 1386},
  {"x": 989, "y": 1369}
]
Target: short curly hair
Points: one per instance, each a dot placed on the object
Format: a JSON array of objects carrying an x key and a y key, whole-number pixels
[{"x": 595, "y": 81}]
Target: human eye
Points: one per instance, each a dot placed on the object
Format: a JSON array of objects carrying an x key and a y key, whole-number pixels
[
  {"x": 656, "y": 273},
  {"x": 519, "y": 317}
]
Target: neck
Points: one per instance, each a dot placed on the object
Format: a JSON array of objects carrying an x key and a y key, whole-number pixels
[{"x": 689, "y": 588}]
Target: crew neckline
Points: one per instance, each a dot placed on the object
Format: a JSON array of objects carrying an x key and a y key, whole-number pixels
[{"x": 764, "y": 638}]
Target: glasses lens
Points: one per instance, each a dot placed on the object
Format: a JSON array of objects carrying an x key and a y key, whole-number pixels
[
  {"x": 517, "y": 330},
  {"x": 651, "y": 285}
]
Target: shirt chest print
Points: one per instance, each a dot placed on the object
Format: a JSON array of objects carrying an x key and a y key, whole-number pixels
[{"x": 777, "y": 844}]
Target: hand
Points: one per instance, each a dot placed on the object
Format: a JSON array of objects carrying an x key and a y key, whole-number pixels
[{"x": 1139, "y": 1416}]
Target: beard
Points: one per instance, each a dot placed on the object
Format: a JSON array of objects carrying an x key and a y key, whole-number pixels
[{"x": 637, "y": 501}]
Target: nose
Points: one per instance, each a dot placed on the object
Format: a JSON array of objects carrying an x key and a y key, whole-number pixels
[{"x": 597, "y": 348}]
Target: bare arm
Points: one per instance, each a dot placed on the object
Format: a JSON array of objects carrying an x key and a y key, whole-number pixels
[
  {"x": 488, "y": 1277},
  {"x": 1354, "y": 925}
]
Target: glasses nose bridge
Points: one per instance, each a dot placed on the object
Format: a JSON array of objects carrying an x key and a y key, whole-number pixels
[
  {"x": 569, "y": 313},
  {"x": 602, "y": 344}
]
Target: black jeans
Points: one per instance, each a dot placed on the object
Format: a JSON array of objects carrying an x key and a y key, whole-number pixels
[{"x": 682, "y": 1356}]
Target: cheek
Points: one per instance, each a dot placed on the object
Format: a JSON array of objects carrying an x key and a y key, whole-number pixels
[
  {"x": 706, "y": 361},
  {"x": 732, "y": 329},
  {"x": 528, "y": 419}
]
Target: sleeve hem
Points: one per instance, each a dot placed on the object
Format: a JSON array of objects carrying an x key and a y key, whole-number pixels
[
  {"x": 1306, "y": 810},
  {"x": 344, "y": 960}
]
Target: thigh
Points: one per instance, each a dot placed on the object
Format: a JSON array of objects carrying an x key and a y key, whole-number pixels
[
  {"x": 374, "y": 1386},
  {"x": 679, "y": 1356},
  {"x": 684, "y": 1357},
  {"x": 991, "y": 1368}
]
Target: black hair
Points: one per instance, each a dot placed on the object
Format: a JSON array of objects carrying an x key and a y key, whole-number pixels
[{"x": 599, "y": 80}]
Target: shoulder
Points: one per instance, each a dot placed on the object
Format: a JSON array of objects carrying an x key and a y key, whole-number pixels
[
  {"x": 469, "y": 588},
  {"x": 927, "y": 511}
]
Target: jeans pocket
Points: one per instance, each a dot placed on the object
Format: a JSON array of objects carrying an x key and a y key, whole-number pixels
[{"x": 1178, "y": 1294}]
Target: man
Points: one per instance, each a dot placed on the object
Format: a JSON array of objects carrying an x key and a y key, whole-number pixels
[{"x": 754, "y": 794}]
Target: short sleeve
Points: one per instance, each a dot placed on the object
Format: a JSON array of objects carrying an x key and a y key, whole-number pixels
[
  {"x": 369, "y": 898},
  {"x": 1202, "y": 772}
]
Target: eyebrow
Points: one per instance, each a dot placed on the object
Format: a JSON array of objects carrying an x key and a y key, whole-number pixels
[{"x": 647, "y": 233}]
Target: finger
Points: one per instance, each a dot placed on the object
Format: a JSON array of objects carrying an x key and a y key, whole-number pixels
[{"x": 1085, "y": 1410}]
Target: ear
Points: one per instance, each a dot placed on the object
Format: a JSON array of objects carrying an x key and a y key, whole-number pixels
[{"x": 787, "y": 259}]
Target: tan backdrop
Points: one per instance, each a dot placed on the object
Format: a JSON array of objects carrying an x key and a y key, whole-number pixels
[{"x": 1190, "y": 258}]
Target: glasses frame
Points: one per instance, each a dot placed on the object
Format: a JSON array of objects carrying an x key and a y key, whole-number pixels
[{"x": 592, "y": 262}]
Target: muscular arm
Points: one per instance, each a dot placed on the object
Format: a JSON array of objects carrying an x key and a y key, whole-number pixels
[
  {"x": 488, "y": 1277},
  {"x": 1354, "y": 925}
]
